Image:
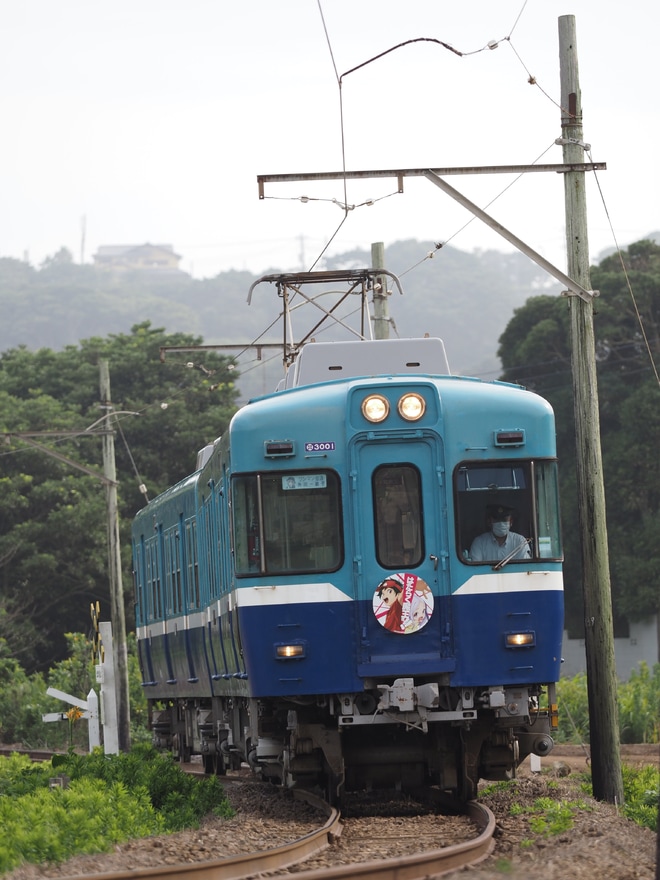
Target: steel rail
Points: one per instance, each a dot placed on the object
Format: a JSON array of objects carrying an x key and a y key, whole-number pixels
[
  {"x": 237, "y": 867},
  {"x": 424, "y": 865}
]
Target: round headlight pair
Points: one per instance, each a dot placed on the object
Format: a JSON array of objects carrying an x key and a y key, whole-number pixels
[{"x": 376, "y": 408}]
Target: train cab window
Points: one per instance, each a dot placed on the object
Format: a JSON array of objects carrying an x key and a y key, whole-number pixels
[
  {"x": 398, "y": 516},
  {"x": 287, "y": 522},
  {"x": 507, "y": 512}
]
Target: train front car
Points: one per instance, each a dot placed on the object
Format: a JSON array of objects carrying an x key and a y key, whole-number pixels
[{"x": 384, "y": 641}]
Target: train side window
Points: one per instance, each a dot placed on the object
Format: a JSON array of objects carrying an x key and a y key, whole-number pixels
[
  {"x": 302, "y": 521},
  {"x": 548, "y": 526},
  {"x": 139, "y": 578},
  {"x": 287, "y": 522},
  {"x": 247, "y": 529},
  {"x": 398, "y": 516},
  {"x": 191, "y": 587}
]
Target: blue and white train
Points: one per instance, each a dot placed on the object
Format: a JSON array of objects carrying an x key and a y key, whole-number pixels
[{"x": 307, "y": 601}]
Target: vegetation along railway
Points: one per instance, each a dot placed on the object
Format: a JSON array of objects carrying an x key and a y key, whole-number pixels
[{"x": 275, "y": 830}]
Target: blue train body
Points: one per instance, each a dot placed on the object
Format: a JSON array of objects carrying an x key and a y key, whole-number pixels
[{"x": 312, "y": 600}]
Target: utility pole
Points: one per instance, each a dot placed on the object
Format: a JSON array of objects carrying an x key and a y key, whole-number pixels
[
  {"x": 381, "y": 311},
  {"x": 607, "y": 777},
  {"x": 117, "y": 615}
]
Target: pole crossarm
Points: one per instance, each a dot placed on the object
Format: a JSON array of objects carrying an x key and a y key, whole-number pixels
[
  {"x": 435, "y": 176},
  {"x": 84, "y": 432},
  {"x": 573, "y": 286},
  {"x": 400, "y": 173},
  {"x": 166, "y": 349}
]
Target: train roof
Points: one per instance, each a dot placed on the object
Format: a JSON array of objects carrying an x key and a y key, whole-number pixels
[{"x": 325, "y": 361}]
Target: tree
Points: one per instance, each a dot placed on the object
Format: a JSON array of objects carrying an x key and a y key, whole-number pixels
[
  {"x": 535, "y": 351},
  {"x": 53, "y": 555}
]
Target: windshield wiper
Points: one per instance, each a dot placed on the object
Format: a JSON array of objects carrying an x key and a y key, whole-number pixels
[{"x": 516, "y": 550}]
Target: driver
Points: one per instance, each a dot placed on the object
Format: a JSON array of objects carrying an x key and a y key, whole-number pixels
[{"x": 499, "y": 541}]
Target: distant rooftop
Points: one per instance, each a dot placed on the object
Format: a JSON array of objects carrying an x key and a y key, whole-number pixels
[{"x": 140, "y": 257}]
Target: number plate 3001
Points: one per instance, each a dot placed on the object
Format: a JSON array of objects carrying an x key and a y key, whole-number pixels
[{"x": 327, "y": 446}]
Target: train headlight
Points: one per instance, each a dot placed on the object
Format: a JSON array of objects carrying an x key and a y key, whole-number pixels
[
  {"x": 520, "y": 640},
  {"x": 289, "y": 652},
  {"x": 411, "y": 407},
  {"x": 375, "y": 408}
]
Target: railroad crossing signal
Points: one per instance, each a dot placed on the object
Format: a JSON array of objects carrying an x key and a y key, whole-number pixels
[{"x": 105, "y": 677}]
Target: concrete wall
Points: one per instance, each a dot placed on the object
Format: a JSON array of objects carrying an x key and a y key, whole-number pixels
[{"x": 641, "y": 645}]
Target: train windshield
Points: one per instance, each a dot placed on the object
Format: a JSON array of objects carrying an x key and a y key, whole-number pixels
[
  {"x": 287, "y": 522},
  {"x": 507, "y": 512}
]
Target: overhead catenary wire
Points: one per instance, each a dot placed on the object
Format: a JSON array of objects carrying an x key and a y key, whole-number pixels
[{"x": 492, "y": 44}]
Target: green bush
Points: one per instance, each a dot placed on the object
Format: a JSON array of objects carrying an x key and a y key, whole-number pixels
[
  {"x": 109, "y": 799},
  {"x": 573, "y": 705},
  {"x": 50, "y": 825},
  {"x": 22, "y": 699},
  {"x": 641, "y": 791},
  {"x": 638, "y": 702},
  {"x": 181, "y": 799},
  {"x": 639, "y": 706},
  {"x": 19, "y": 775}
]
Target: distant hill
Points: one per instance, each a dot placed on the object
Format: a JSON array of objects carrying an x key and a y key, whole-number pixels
[{"x": 465, "y": 298}]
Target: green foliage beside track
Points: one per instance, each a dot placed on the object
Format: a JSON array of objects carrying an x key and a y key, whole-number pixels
[
  {"x": 53, "y": 515},
  {"x": 638, "y": 701},
  {"x": 641, "y": 790},
  {"x": 108, "y": 799}
]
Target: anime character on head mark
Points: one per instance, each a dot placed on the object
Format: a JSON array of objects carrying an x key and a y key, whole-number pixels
[
  {"x": 419, "y": 614},
  {"x": 390, "y": 593},
  {"x": 403, "y": 603}
]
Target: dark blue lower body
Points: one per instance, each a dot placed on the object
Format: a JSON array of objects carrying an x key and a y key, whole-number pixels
[{"x": 341, "y": 644}]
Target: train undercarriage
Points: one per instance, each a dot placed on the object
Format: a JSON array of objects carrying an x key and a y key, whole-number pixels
[{"x": 398, "y": 736}]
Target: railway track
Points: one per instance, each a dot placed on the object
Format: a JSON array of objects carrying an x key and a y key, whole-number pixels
[
  {"x": 429, "y": 863},
  {"x": 421, "y": 866},
  {"x": 327, "y": 859},
  {"x": 592, "y": 846}
]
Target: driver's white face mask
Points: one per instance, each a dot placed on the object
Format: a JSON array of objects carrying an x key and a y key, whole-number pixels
[{"x": 500, "y": 529}]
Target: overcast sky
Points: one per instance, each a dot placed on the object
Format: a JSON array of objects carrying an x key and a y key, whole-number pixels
[{"x": 149, "y": 121}]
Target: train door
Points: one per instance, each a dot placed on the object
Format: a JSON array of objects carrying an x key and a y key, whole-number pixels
[{"x": 401, "y": 557}]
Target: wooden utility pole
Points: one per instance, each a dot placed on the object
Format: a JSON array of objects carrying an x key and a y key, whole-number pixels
[
  {"x": 607, "y": 777},
  {"x": 117, "y": 615},
  {"x": 601, "y": 669},
  {"x": 381, "y": 310}
]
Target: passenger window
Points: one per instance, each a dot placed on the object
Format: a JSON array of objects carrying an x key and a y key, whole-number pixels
[{"x": 287, "y": 522}]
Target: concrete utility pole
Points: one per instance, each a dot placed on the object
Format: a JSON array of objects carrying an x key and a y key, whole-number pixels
[
  {"x": 117, "y": 615},
  {"x": 381, "y": 311},
  {"x": 607, "y": 777}
]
